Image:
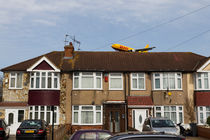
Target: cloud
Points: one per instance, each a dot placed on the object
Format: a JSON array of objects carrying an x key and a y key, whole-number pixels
[{"x": 116, "y": 11}]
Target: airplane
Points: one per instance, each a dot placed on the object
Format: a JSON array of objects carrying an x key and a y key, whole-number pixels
[{"x": 119, "y": 47}]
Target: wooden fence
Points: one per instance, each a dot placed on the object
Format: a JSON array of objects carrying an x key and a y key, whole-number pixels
[{"x": 59, "y": 133}]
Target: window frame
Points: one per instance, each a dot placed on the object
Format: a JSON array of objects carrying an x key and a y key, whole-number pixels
[
  {"x": 161, "y": 79},
  {"x": 46, "y": 80},
  {"x": 202, "y": 78},
  {"x": 131, "y": 75},
  {"x": 10, "y": 77},
  {"x": 204, "y": 112},
  {"x": 162, "y": 111},
  {"x": 45, "y": 113},
  {"x": 80, "y": 76},
  {"x": 115, "y": 77},
  {"x": 79, "y": 111}
]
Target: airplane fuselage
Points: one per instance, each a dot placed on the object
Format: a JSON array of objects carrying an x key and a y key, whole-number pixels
[{"x": 119, "y": 47}]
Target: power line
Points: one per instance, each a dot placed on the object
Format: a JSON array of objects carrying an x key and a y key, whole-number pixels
[
  {"x": 156, "y": 26},
  {"x": 185, "y": 41}
]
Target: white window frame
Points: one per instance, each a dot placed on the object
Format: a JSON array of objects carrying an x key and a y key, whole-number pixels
[
  {"x": 161, "y": 80},
  {"x": 15, "y": 76},
  {"x": 202, "y": 110},
  {"x": 202, "y": 81},
  {"x": 137, "y": 79},
  {"x": 177, "y": 112},
  {"x": 94, "y": 81},
  {"x": 115, "y": 77},
  {"x": 45, "y": 113},
  {"x": 46, "y": 80},
  {"x": 79, "y": 111}
]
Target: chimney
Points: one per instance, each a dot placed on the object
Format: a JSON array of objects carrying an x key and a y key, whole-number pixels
[{"x": 69, "y": 51}]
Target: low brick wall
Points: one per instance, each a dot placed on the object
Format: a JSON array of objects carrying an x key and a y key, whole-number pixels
[
  {"x": 203, "y": 132},
  {"x": 78, "y": 127}
]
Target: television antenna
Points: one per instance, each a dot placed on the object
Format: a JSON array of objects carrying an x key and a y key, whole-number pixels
[{"x": 73, "y": 39}]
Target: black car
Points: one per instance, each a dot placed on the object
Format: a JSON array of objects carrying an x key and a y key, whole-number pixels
[
  {"x": 146, "y": 136},
  {"x": 4, "y": 130},
  {"x": 32, "y": 129}
]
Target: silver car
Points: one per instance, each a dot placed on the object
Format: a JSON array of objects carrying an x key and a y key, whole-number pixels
[{"x": 160, "y": 125}]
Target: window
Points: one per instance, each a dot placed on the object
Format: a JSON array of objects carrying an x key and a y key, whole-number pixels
[
  {"x": 87, "y": 80},
  {"x": 115, "y": 81},
  {"x": 138, "y": 81},
  {"x": 175, "y": 113},
  {"x": 202, "y": 81},
  {"x": 164, "y": 81},
  {"x": 15, "y": 80},
  {"x": 20, "y": 115},
  {"x": 45, "y": 113},
  {"x": 87, "y": 115},
  {"x": 203, "y": 114},
  {"x": 44, "y": 80}
]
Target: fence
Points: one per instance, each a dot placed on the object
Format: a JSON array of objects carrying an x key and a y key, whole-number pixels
[
  {"x": 204, "y": 132},
  {"x": 59, "y": 133}
]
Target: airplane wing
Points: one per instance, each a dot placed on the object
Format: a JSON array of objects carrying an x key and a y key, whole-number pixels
[{"x": 144, "y": 49}]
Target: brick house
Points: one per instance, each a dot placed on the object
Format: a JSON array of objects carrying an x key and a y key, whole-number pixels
[{"x": 107, "y": 90}]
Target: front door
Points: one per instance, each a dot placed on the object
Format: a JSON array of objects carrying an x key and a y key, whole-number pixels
[
  {"x": 13, "y": 118},
  {"x": 114, "y": 117},
  {"x": 139, "y": 115}
]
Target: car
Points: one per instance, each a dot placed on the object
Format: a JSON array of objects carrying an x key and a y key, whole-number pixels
[
  {"x": 160, "y": 124},
  {"x": 32, "y": 129},
  {"x": 96, "y": 134},
  {"x": 145, "y": 136},
  {"x": 4, "y": 130}
]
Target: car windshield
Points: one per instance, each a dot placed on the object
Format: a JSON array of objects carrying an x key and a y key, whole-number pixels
[
  {"x": 31, "y": 124},
  {"x": 162, "y": 123}
]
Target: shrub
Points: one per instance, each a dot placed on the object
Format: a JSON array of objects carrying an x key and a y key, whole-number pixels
[{"x": 208, "y": 121}]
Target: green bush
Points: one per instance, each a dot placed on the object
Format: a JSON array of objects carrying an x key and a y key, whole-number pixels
[{"x": 208, "y": 121}]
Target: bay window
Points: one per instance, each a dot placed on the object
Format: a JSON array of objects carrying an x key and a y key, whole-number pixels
[
  {"x": 202, "y": 81},
  {"x": 87, "y": 115},
  {"x": 138, "y": 81},
  {"x": 203, "y": 114},
  {"x": 175, "y": 113},
  {"x": 15, "y": 81},
  {"x": 115, "y": 81},
  {"x": 44, "y": 113},
  {"x": 44, "y": 80},
  {"x": 164, "y": 81},
  {"x": 87, "y": 80}
]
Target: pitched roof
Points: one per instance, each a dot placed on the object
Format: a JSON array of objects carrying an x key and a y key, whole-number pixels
[
  {"x": 118, "y": 61},
  {"x": 140, "y": 100}
]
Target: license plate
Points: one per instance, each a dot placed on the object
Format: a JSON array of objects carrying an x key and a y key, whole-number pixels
[{"x": 29, "y": 131}]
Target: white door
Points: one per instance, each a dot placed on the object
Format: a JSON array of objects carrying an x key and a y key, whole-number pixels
[
  {"x": 13, "y": 118},
  {"x": 139, "y": 115}
]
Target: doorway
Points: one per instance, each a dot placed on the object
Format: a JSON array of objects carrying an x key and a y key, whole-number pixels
[
  {"x": 14, "y": 117},
  {"x": 114, "y": 117},
  {"x": 139, "y": 115}
]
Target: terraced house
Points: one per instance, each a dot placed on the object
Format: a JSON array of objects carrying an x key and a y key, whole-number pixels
[{"x": 108, "y": 90}]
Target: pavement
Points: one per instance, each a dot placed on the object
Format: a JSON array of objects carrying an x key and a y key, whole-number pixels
[{"x": 187, "y": 138}]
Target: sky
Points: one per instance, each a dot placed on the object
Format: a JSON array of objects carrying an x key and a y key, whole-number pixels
[{"x": 30, "y": 28}]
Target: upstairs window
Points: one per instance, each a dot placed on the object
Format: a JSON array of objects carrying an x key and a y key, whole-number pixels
[
  {"x": 87, "y": 80},
  {"x": 44, "y": 80},
  {"x": 115, "y": 81},
  {"x": 164, "y": 81},
  {"x": 202, "y": 81},
  {"x": 138, "y": 81},
  {"x": 16, "y": 80}
]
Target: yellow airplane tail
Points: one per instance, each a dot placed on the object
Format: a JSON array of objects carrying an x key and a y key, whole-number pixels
[{"x": 147, "y": 46}]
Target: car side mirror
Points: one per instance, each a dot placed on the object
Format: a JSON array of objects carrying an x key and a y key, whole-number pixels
[{"x": 148, "y": 126}]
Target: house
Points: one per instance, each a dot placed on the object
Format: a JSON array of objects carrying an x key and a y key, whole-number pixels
[{"x": 107, "y": 90}]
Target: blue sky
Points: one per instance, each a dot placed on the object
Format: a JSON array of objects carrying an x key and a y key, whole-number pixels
[{"x": 29, "y": 28}]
